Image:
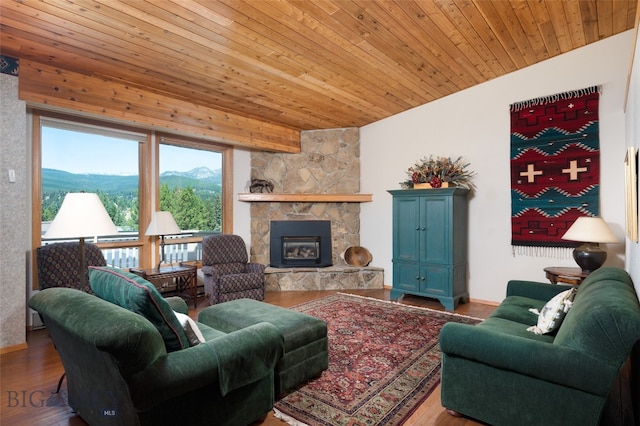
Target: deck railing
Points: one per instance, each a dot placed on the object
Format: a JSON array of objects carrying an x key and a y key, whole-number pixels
[{"x": 129, "y": 257}]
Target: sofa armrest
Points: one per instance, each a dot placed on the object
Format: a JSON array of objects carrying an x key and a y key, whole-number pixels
[
  {"x": 178, "y": 304},
  {"x": 545, "y": 361},
  {"x": 535, "y": 290},
  {"x": 256, "y": 350}
]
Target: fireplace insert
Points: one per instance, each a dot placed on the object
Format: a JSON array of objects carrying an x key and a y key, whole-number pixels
[{"x": 300, "y": 243}]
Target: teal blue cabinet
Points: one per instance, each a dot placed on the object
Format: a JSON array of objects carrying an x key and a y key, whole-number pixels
[{"x": 430, "y": 244}]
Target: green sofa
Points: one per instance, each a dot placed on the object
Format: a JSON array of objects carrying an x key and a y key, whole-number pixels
[
  {"x": 502, "y": 374},
  {"x": 128, "y": 363}
]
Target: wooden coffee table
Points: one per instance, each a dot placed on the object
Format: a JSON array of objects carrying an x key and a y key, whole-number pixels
[
  {"x": 184, "y": 275},
  {"x": 567, "y": 275}
]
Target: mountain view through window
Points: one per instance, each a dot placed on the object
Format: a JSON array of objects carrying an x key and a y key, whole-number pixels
[{"x": 108, "y": 164}]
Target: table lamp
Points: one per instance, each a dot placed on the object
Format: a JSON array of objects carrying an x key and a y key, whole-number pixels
[
  {"x": 591, "y": 231},
  {"x": 81, "y": 215},
  {"x": 162, "y": 223}
]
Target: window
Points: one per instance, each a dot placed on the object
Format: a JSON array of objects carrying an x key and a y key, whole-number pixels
[
  {"x": 191, "y": 178},
  {"x": 86, "y": 159},
  {"x": 191, "y": 186},
  {"x": 188, "y": 177},
  {"x": 85, "y": 156}
]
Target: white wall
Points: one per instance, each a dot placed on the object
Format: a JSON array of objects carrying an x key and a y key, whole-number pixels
[
  {"x": 633, "y": 139},
  {"x": 475, "y": 123}
]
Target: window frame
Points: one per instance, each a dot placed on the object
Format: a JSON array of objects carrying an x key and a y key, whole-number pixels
[
  {"x": 227, "y": 180},
  {"x": 148, "y": 184}
]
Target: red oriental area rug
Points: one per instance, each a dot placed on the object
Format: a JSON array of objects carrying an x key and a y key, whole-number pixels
[{"x": 384, "y": 361}]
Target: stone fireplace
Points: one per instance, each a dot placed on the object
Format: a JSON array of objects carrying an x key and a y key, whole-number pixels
[{"x": 329, "y": 163}]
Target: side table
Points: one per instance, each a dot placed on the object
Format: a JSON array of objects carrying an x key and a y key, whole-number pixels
[
  {"x": 567, "y": 275},
  {"x": 184, "y": 274}
]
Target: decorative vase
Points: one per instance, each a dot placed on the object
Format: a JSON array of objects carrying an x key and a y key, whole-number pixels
[
  {"x": 428, "y": 185},
  {"x": 421, "y": 185}
]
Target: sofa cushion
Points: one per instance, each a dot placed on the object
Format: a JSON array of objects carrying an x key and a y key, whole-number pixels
[
  {"x": 513, "y": 328},
  {"x": 138, "y": 295},
  {"x": 516, "y": 309},
  {"x": 553, "y": 312}
]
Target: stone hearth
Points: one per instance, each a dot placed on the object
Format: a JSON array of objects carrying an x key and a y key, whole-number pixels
[
  {"x": 330, "y": 278},
  {"x": 328, "y": 164}
]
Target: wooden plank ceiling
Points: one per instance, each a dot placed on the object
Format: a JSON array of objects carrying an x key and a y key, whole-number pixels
[{"x": 257, "y": 72}]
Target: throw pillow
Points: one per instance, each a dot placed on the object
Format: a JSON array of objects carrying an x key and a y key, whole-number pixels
[
  {"x": 138, "y": 295},
  {"x": 190, "y": 329},
  {"x": 553, "y": 312}
]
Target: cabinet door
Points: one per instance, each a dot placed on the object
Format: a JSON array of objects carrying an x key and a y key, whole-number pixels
[
  {"x": 406, "y": 276},
  {"x": 435, "y": 281},
  {"x": 406, "y": 245},
  {"x": 435, "y": 234}
]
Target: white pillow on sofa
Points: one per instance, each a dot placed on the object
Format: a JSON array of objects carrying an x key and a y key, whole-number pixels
[
  {"x": 194, "y": 335},
  {"x": 553, "y": 312}
]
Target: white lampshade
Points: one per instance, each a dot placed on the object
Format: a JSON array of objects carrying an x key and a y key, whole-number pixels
[
  {"x": 590, "y": 230},
  {"x": 162, "y": 223},
  {"x": 81, "y": 215}
]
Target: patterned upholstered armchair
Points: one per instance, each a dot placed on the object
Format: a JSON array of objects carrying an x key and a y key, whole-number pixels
[
  {"x": 59, "y": 265},
  {"x": 228, "y": 275}
]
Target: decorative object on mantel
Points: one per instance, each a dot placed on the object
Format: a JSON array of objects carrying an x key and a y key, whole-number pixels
[
  {"x": 439, "y": 172},
  {"x": 261, "y": 185},
  {"x": 555, "y": 169},
  {"x": 357, "y": 256}
]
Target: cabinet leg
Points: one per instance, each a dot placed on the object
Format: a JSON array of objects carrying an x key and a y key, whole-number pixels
[
  {"x": 449, "y": 303},
  {"x": 395, "y": 295}
]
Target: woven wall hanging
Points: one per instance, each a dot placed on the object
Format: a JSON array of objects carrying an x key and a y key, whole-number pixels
[{"x": 555, "y": 168}]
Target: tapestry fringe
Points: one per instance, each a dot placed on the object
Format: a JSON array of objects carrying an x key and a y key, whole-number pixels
[
  {"x": 538, "y": 251},
  {"x": 554, "y": 98}
]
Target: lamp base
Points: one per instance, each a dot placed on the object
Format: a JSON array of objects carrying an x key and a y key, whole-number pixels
[
  {"x": 161, "y": 252},
  {"x": 589, "y": 256}
]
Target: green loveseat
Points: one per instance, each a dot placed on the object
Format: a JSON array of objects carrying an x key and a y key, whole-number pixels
[
  {"x": 502, "y": 374},
  {"x": 125, "y": 369}
]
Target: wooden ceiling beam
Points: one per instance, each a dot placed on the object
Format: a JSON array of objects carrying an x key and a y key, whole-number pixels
[
  {"x": 226, "y": 78},
  {"x": 43, "y": 85}
]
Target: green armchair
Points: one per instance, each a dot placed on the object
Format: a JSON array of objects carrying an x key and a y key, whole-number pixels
[{"x": 121, "y": 369}]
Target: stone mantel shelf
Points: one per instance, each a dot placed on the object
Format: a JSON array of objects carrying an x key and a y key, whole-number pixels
[{"x": 305, "y": 198}]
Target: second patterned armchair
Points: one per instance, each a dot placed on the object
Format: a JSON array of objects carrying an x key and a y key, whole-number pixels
[
  {"x": 59, "y": 265},
  {"x": 228, "y": 275}
]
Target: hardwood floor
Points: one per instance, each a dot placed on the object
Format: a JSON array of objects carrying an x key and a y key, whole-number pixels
[{"x": 29, "y": 377}]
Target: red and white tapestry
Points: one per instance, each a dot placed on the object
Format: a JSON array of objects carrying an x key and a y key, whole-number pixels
[{"x": 555, "y": 166}]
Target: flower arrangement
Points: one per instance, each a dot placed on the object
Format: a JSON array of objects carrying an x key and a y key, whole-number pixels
[{"x": 439, "y": 170}]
